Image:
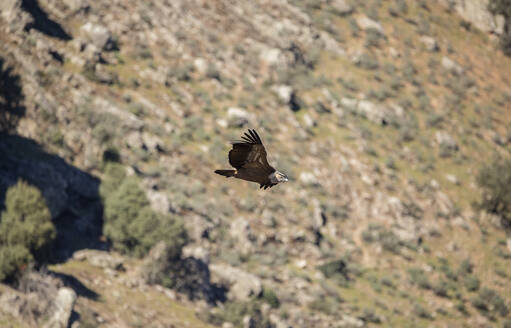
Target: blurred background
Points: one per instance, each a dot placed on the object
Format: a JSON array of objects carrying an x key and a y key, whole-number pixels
[{"x": 391, "y": 118}]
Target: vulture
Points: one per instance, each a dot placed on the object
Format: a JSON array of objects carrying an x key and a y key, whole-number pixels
[{"x": 248, "y": 157}]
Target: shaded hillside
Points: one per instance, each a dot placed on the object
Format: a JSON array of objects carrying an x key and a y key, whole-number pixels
[{"x": 382, "y": 113}]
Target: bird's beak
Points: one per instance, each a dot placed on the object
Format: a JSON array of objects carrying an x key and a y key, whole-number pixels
[{"x": 286, "y": 179}]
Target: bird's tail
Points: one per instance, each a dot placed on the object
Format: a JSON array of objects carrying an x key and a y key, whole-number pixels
[{"x": 226, "y": 173}]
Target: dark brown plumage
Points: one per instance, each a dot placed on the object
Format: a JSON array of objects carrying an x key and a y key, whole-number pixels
[{"x": 248, "y": 157}]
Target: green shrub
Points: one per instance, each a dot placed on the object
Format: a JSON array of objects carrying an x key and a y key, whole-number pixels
[
  {"x": 466, "y": 267},
  {"x": 326, "y": 305},
  {"x": 337, "y": 270},
  {"x": 26, "y": 229},
  {"x": 402, "y": 7},
  {"x": 472, "y": 283},
  {"x": 369, "y": 315},
  {"x": 130, "y": 224},
  {"x": 373, "y": 37},
  {"x": 495, "y": 182},
  {"x": 421, "y": 312},
  {"x": 489, "y": 301},
  {"x": 419, "y": 277},
  {"x": 368, "y": 62},
  {"x": 269, "y": 296},
  {"x": 441, "y": 289}
]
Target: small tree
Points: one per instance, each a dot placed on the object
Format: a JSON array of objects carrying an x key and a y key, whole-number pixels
[
  {"x": 495, "y": 182},
  {"x": 122, "y": 207},
  {"x": 130, "y": 224},
  {"x": 26, "y": 229}
]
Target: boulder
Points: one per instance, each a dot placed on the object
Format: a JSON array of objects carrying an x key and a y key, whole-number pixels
[
  {"x": 242, "y": 285},
  {"x": 64, "y": 303},
  {"x": 99, "y": 35},
  {"x": 284, "y": 93},
  {"x": 377, "y": 113},
  {"x": 476, "y": 12}
]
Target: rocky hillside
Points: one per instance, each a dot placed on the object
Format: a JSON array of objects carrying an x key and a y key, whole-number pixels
[{"x": 381, "y": 112}]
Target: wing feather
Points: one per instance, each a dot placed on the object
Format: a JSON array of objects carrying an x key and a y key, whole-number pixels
[{"x": 250, "y": 153}]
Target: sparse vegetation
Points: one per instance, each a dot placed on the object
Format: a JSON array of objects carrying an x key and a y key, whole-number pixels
[
  {"x": 495, "y": 182},
  {"x": 383, "y": 189},
  {"x": 26, "y": 230}
]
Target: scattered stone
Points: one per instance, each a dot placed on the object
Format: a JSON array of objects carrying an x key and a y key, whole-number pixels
[
  {"x": 452, "y": 179},
  {"x": 238, "y": 117},
  {"x": 284, "y": 93},
  {"x": 451, "y": 66},
  {"x": 367, "y": 23},
  {"x": 200, "y": 65},
  {"x": 272, "y": 56},
  {"x": 100, "y": 259},
  {"x": 376, "y": 113},
  {"x": 309, "y": 121},
  {"x": 444, "y": 139},
  {"x": 349, "y": 104},
  {"x": 394, "y": 53}
]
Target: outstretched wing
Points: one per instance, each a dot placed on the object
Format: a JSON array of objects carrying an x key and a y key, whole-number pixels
[{"x": 249, "y": 153}]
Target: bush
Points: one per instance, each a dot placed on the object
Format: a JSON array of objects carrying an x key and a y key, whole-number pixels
[
  {"x": 26, "y": 229},
  {"x": 270, "y": 297},
  {"x": 368, "y": 62},
  {"x": 495, "y": 182},
  {"x": 419, "y": 277},
  {"x": 130, "y": 224},
  {"x": 488, "y": 300},
  {"x": 337, "y": 270},
  {"x": 441, "y": 289},
  {"x": 472, "y": 283},
  {"x": 422, "y": 312}
]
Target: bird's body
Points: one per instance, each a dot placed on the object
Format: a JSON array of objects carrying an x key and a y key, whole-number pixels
[{"x": 248, "y": 157}]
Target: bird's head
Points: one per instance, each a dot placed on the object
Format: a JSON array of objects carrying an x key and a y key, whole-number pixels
[{"x": 281, "y": 177}]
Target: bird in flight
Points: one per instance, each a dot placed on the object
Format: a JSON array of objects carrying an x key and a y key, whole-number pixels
[{"x": 248, "y": 157}]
